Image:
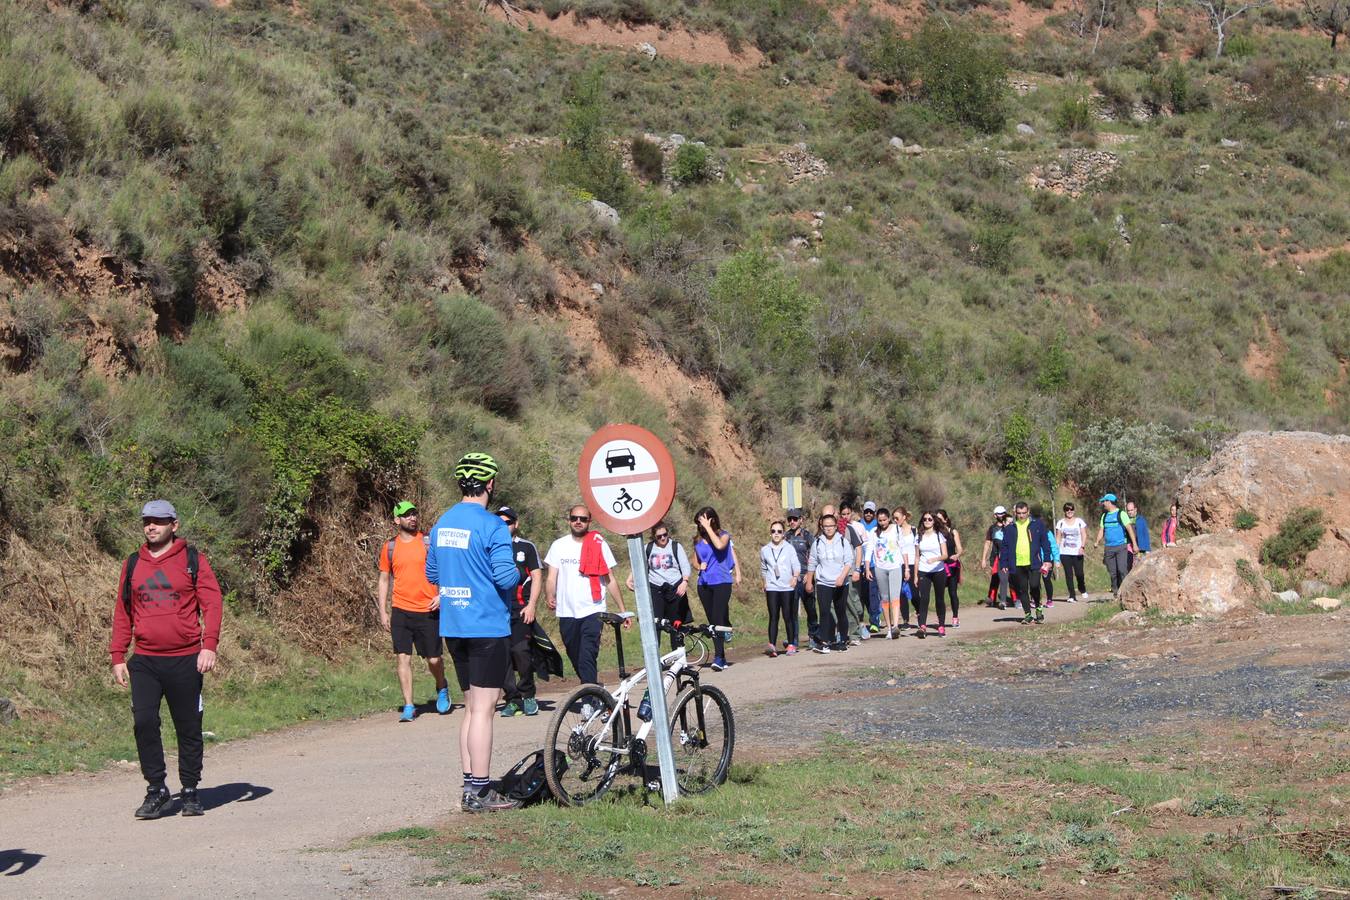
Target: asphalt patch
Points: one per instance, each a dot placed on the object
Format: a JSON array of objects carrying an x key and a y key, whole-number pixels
[{"x": 1062, "y": 706}]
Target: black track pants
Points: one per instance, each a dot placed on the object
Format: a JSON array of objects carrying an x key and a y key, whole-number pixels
[
  {"x": 1073, "y": 571},
  {"x": 936, "y": 582},
  {"x": 520, "y": 677},
  {"x": 176, "y": 679}
]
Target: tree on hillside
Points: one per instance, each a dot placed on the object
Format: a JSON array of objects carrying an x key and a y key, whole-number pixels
[
  {"x": 1221, "y": 12},
  {"x": 1123, "y": 459},
  {"x": 1331, "y": 17}
]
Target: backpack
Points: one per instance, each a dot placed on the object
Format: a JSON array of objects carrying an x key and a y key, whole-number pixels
[
  {"x": 525, "y": 780},
  {"x": 193, "y": 564}
]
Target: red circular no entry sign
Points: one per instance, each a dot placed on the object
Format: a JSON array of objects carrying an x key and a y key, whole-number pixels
[{"x": 627, "y": 478}]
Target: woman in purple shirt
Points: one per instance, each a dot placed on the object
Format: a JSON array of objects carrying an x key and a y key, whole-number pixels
[{"x": 715, "y": 558}]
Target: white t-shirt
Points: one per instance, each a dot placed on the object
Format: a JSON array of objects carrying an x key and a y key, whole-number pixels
[
  {"x": 907, "y": 535},
  {"x": 1073, "y": 536},
  {"x": 932, "y": 552},
  {"x": 886, "y": 548},
  {"x": 574, "y": 590}
]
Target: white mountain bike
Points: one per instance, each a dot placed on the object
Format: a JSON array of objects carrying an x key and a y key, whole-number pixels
[{"x": 592, "y": 739}]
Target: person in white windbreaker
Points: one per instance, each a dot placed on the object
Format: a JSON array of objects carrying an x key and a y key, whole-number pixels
[{"x": 781, "y": 568}]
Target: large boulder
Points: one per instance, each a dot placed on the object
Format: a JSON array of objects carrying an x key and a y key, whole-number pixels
[
  {"x": 1208, "y": 575},
  {"x": 1270, "y": 474}
]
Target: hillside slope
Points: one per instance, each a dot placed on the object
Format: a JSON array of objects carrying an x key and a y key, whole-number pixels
[{"x": 285, "y": 262}]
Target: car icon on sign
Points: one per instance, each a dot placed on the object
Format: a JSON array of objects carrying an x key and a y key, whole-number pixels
[{"x": 620, "y": 458}]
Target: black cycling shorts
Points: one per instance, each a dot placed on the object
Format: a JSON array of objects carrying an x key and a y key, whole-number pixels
[
  {"x": 480, "y": 662},
  {"x": 416, "y": 629}
]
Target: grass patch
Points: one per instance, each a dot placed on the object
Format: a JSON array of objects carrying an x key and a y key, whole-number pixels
[{"x": 1041, "y": 823}]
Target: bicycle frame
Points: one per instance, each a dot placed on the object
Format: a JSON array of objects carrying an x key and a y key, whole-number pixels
[{"x": 675, "y": 671}]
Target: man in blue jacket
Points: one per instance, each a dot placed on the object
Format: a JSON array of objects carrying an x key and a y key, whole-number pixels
[
  {"x": 471, "y": 563},
  {"x": 1026, "y": 556},
  {"x": 1141, "y": 538}
]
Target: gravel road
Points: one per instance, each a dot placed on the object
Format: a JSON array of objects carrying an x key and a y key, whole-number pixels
[{"x": 287, "y": 807}]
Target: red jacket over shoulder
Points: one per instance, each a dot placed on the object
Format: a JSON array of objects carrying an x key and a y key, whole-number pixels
[{"x": 167, "y": 617}]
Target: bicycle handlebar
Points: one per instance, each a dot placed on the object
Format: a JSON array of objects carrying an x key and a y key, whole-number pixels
[{"x": 678, "y": 627}]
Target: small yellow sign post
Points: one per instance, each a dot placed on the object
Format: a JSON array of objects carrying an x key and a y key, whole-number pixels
[{"x": 792, "y": 492}]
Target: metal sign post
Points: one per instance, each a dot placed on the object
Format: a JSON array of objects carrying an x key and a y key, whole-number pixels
[
  {"x": 651, "y": 656},
  {"x": 627, "y": 478}
]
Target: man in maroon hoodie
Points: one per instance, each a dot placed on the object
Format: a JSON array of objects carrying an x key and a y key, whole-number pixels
[{"x": 170, "y": 602}]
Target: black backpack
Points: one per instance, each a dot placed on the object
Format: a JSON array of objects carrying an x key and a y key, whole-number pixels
[
  {"x": 193, "y": 564},
  {"x": 525, "y": 780}
]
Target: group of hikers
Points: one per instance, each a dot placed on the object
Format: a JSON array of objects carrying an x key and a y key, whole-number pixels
[{"x": 470, "y": 586}]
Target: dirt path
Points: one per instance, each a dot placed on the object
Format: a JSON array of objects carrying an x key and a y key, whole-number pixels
[{"x": 287, "y": 807}]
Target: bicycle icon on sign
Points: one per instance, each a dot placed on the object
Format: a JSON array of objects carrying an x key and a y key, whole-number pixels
[{"x": 626, "y": 501}]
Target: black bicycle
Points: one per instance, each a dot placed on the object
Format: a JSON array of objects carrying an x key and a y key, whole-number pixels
[{"x": 593, "y": 739}]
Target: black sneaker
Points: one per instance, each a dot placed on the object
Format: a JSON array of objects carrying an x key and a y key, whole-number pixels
[
  {"x": 488, "y": 802},
  {"x": 156, "y": 803},
  {"x": 191, "y": 803}
]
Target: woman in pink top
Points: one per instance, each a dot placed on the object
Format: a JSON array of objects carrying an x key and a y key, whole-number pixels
[{"x": 1169, "y": 529}]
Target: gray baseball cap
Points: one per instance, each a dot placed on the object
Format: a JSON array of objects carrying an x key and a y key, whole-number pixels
[
  {"x": 869, "y": 506},
  {"x": 159, "y": 509}
]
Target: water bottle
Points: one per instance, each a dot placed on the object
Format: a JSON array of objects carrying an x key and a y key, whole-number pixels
[{"x": 645, "y": 707}]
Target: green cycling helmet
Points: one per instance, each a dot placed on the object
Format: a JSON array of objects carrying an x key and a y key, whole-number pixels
[{"x": 477, "y": 467}]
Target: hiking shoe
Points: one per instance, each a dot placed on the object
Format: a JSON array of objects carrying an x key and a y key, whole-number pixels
[
  {"x": 791, "y": 650},
  {"x": 191, "y": 803},
  {"x": 921, "y": 633},
  {"x": 874, "y": 629},
  {"x": 156, "y": 801},
  {"x": 409, "y": 713},
  {"x": 1040, "y": 617},
  {"x": 818, "y": 647},
  {"x": 1027, "y": 620},
  {"x": 1049, "y": 603},
  {"x": 1002, "y": 605},
  {"x": 511, "y": 709},
  {"x": 530, "y": 706},
  {"x": 491, "y": 801},
  {"x": 443, "y": 700},
  {"x": 770, "y": 651},
  {"x": 718, "y": 664}
]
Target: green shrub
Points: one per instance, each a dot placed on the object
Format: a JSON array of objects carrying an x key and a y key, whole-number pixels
[
  {"x": 155, "y": 120},
  {"x": 995, "y": 246},
  {"x": 1173, "y": 89},
  {"x": 474, "y": 360},
  {"x": 1299, "y": 534},
  {"x": 692, "y": 164},
  {"x": 587, "y": 161},
  {"x": 965, "y": 80},
  {"x": 1239, "y": 46},
  {"x": 1244, "y": 520},
  {"x": 1075, "y": 113},
  {"x": 647, "y": 158},
  {"x": 752, "y": 290}
]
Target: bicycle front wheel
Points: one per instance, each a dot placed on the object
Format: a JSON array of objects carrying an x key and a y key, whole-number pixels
[
  {"x": 582, "y": 748},
  {"x": 703, "y": 735}
]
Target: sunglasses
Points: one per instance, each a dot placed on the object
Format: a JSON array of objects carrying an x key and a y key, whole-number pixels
[
  {"x": 578, "y": 518},
  {"x": 156, "y": 520},
  {"x": 794, "y": 518},
  {"x": 926, "y": 519},
  {"x": 775, "y": 531},
  {"x": 662, "y": 536}
]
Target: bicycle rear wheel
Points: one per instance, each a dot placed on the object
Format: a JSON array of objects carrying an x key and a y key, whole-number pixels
[
  {"x": 703, "y": 735},
  {"x": 581, "y": 754}
]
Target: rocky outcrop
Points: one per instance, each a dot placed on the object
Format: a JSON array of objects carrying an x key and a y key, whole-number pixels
[
  {"x": 1074, "y": 173},
  {"x": 1212, "y": 574},
  {"x": 1271, "y": 474}
]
